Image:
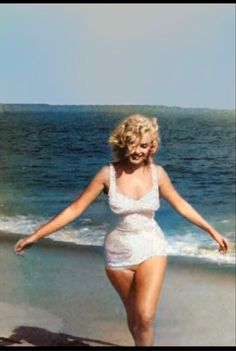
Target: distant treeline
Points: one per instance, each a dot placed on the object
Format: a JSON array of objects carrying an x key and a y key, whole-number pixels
[{"x": 121, "y": 109}]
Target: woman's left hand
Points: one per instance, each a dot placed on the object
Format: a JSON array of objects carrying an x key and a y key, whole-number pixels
[{"x": 222, "y": 243}]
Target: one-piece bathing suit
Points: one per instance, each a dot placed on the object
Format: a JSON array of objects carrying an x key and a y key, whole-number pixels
[{"x": 137, "y": 235}]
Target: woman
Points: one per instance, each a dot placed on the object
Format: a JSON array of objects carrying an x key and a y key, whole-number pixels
[{"x": 136, "y": 250}]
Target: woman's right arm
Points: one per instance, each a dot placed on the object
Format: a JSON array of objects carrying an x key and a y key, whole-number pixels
[{"x": 69, "y": 214}]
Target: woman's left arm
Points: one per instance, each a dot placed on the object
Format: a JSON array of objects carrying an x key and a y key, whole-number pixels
[{"x": 169, "y": 193}]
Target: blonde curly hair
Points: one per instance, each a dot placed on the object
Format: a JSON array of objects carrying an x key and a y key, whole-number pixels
[{"x": 131, "y": 128}]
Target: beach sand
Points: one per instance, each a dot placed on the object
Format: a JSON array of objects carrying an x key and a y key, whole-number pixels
[{"x": 58, "y": 294}]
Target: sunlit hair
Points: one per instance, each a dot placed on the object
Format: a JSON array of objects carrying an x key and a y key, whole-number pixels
[{"x": 129, "y": 130}]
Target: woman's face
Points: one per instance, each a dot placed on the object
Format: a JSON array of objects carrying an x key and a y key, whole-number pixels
[{"x": 139, "y": 150}]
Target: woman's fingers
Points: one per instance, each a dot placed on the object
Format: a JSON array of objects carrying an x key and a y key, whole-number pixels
[
  {"x": 21, "y": 245},
  {"x": 223, "y": 245}
]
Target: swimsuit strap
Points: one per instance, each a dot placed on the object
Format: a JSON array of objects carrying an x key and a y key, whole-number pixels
[
  {"x": 112, "y": 177},
  {"x": 154, "y": 176}
]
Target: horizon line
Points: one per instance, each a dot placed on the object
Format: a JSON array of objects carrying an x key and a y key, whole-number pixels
[{"x": 124, "y": 104}]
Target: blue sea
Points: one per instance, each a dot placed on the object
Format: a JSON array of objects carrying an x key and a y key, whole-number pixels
[{"x": 48, "y": 157}]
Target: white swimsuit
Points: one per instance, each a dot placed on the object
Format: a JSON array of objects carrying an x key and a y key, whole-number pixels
[{"x": 137, "y": 235}]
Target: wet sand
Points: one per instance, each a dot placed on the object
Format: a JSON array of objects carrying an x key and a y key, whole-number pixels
[{"x": 58, "y": 294}]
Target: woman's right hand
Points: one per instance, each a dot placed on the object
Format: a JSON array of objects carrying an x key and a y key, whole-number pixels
[{"x": 24, "y": 244}]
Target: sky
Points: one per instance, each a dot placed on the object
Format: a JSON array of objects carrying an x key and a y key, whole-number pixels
[{"x": 113, "y": 54}]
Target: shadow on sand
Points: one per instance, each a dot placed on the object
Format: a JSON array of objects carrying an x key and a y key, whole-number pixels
[{"x": 33, "y": 336}]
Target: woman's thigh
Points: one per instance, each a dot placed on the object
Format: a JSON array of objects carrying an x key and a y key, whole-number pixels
[
  {"x": 123, "y": 282},
  {"x": 149, "y": 277}
]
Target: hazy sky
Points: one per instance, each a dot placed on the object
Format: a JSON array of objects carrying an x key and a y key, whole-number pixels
[{"x": 158, "y": 54}]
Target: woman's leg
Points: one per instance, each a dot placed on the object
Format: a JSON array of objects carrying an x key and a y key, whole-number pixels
[
  {"x": 148, "y": 282},
  {"x": 123, "y": 282}
]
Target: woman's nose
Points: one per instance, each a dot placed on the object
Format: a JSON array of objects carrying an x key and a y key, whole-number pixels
[{"x": 137, "y": 149}]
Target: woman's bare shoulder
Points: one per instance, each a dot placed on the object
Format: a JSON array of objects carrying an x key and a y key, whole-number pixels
[
  {"x": 104, "y": 172},
  {"x": 161, "y": 173},
  {"x": 160, "y": 168},
  {"x": 104, "y": 177},
  {"x": 101, "y": 178}
]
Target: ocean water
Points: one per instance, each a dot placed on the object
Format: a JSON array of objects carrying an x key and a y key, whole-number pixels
[{"x": 48, "y": 158}]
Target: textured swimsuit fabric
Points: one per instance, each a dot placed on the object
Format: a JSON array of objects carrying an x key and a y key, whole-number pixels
[{"x": 137, "y": 236}]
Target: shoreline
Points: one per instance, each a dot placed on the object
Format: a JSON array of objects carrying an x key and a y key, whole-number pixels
[{"x": 47, "y": 241}]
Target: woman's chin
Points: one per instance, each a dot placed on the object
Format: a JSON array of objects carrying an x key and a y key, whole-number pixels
[{"x": 136, "y": 161}]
